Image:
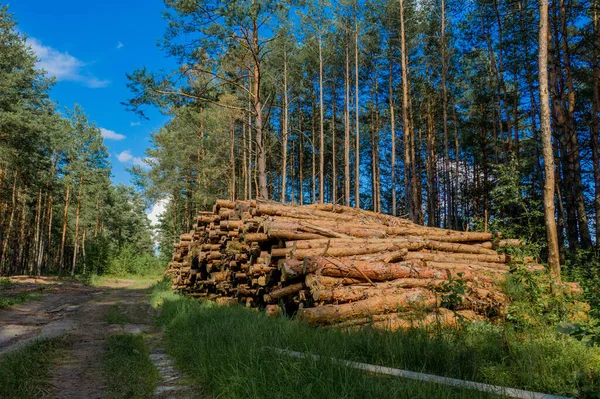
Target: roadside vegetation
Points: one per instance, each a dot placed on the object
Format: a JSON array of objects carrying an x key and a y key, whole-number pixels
[
  {"x": 115, "y": 316},
  {"x": 127, "y": 367},
  {"x": 8, "y": 298},
  {"x": 25, "y": 373},
  {"x": 19, "y": 298},
  {"x": 227, "y": 350}
]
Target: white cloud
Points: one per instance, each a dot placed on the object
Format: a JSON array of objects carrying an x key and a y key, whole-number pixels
[
  {"x": 140, "y": 162},
  {"x": 111, "y": 134},
  {"x": 157, "y": 210},
  {"x": 120, "y": 45},
  {"x": 64, "y": 66},
  {"x": 135, "y": 123},
  {"x": 125, "y": 156}
]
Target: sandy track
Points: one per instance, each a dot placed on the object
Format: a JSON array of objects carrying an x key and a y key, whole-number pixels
[{"x": 81, "y": 313}]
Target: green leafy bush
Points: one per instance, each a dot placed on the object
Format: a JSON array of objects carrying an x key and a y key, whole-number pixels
[{"x": 129, "y": 262}]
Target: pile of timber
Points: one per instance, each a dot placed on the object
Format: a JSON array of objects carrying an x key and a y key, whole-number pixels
[{"x": 335, "y": 265}]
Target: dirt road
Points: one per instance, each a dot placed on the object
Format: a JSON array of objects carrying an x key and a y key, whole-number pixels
[{"x": 83, "y": 314}]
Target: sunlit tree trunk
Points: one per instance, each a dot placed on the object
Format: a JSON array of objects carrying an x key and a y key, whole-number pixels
[
  {"x": 393, "y": 136},
  {"x": 77, "y": 214},
  {"x": 549, "y": 212},
  {"x": 356, "y": 115},
  {"x": 61, "y": 254},
  {"x": 409, "y": 189},
  {"x": 321, "y": 128},
  {"x": 284, "y": 133},
  {"x": 11, "y": 219},
  {"x": 231, "y": 159},
  {"x": 347, "y": 130}
]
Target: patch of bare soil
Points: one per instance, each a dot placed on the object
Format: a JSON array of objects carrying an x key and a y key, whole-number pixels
[
  {"x": 81, "y": 312},
  {"x": 44, "y": 318}
]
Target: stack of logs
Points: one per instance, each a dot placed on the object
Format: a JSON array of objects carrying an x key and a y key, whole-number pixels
[{"x": 335, "y": 265}]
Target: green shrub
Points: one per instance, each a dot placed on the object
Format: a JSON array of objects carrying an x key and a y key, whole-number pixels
[{"x": 129, "y": 262}]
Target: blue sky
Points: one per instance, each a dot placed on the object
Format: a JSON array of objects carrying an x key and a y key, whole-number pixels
[{"x": 90, "y": 46}]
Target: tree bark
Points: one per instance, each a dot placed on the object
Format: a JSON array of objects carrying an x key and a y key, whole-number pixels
[
  {"x": 77, "y": 214},
  {"x": 263, "y": 192},
  {"x": 321, "y": 128},
  {"x": 549, "y": 212},
  {"x": 10, "y": 225},
  {"x": 284, "y": 136},
  {"x": 61, "y": 254},
  {"x": 595, "y": 126},
  {"x": 347, "y": 130},
  {"x": 232, "y": 189},
  {"x": 393, "y": 134},
  {"x": 409, "y": 172},
  {"x": 356, "y": 115},
  {"x": 447, "y": 182}
]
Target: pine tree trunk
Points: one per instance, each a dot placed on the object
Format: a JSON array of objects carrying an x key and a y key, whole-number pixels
[
  {"x": 313, "y": 151},
  {"x": 249, "y": 150},
  {"x": 447, "y": 182},
  {"x": 83, "y": 250},
  {"x": 232, "y": 196},
  {"x": 21, "y": 261},
  {"x": 356, "y": 115},
  {"x": 393, "y": 134},
  {"x": 36, "y": 235},
  {"x": 431, "y": 164},
  {"x": 77, "y": 214},
  {"x": 321, "y": 129},
  {"x": 377, "y": 179},
  {"x": 50, "y": 218},
  {"x": 261, "y": 160},
  {"x": 573, "y": 141},
  {"x": 347, "y": 130},
  {"x": 334, "y": 180},
  {"x": 409, "y": 188},
  {"x": 245, "y": 162},
  {"x": 301, "y": 161},
  {"x": 61, "y": 254},
  {"x": 284, "y": 135},
  {"x": 549, "y": 212},
  {"x": 595, "y": 129},
  {"x": 8, "y": 233}
]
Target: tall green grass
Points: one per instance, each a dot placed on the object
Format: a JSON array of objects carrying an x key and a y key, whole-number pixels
[
  {"x": 25, "y": 373},
  {"x": 226, "y": 350},
  {"x": 127, "y": 367}
]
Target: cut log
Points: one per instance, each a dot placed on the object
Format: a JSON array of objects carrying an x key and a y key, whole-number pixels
[
  {"x": 352, "y": 293},
  {"x": 329, "y": 314},
  {"x": 283, "y": 292}
]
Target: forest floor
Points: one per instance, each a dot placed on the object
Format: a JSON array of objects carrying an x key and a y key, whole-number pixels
[{"x": 87, "y": 316}]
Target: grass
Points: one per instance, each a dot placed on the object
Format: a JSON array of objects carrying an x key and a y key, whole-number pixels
[
  {"x": 20, "y": 298},
  {"x": 25, "y": 373},
  {"x": 224, "y": 350},
  {"x": 5, "y": 282},
  {"x": 127, "y": 367},
  {"x": 136, "y": 281},
  {"x": 115, "y": 316}
]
